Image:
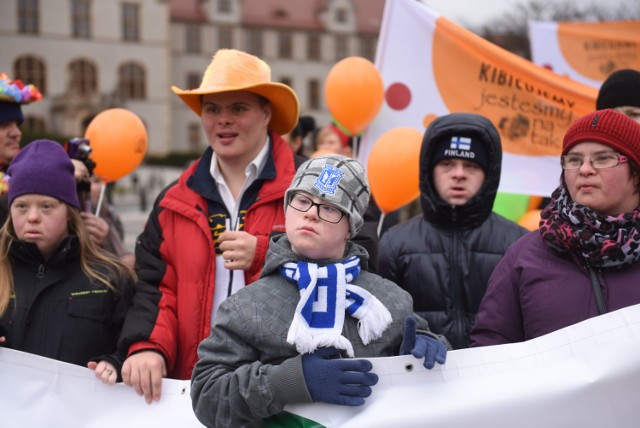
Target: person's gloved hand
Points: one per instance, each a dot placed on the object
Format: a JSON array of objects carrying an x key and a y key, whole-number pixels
[
  {"x": 421, "y": 346},
  {"x": 337, "y": 381}
]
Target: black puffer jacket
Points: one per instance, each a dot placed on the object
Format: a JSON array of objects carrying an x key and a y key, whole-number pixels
[
  {"x": 444, "y": 257},
  {"x": 56, "y": 311}
]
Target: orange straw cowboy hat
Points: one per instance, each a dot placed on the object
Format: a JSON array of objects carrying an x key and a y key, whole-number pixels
[{"x": 234, "y": 70}]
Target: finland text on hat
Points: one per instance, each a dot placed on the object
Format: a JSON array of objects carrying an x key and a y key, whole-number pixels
[
  {"x": 234, "y": 70},
  {"x": 461, "y": 147}
]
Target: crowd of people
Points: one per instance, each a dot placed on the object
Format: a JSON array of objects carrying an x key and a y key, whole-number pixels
[{"x": 258, "y": 274}]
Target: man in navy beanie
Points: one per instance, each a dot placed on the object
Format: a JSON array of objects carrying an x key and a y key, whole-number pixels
[
  {"x": 444, "y": 256},
  {"x": 621, "y": 92},
  {"x": 13, "y": 93}
]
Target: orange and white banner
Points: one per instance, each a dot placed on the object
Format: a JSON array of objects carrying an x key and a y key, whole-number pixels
[
  {"x": 431, "y": 67},
  {"x": 586, "y": 52}
]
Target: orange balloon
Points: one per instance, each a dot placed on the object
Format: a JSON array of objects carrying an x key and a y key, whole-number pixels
[
  {"x": 534, "y": 202},
  {"x": 323, "y": 152},
  {"x": 393, "y": 168},
  {"x": 118, "y": 139},
  {"x": 354, "y": 93},
  {"x": 531, "y": 219}
]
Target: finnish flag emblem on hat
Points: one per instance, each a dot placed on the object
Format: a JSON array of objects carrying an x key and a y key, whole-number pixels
[
  {"x": 328, "y": 180},
  {"x": 460, "y": 143}
]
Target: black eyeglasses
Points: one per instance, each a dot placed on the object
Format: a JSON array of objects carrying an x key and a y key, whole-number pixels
[
  {"x": 601, "y": 161},
  {"x": 328, "y": 213}
]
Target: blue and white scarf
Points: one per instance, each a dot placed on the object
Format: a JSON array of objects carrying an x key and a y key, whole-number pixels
[{"x": 326, "y": 294}]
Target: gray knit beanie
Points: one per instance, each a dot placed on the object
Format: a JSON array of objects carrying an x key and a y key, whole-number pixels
[{"x": 338, "y": 180}]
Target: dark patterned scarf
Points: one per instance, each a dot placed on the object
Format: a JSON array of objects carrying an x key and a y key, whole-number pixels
[{"x": 606, "y": 242}]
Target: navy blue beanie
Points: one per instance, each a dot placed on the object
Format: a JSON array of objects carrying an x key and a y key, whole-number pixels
[
  {"x": 620, "y": 89},
  {"x": 465, "y": 147},
  {"x": 43, "y": 167},
  {"x": 11, "y": 111}
]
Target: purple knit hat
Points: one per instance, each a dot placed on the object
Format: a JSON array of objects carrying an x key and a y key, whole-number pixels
[{"x": 43, "y": 167}]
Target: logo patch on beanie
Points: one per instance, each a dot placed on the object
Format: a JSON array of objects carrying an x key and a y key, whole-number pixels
[
  {"x": 328, "y": 180},
  {"x": 460, "y": 148}
]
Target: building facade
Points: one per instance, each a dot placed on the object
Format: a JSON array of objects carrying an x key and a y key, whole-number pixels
[{"x": 90, "y": 55}]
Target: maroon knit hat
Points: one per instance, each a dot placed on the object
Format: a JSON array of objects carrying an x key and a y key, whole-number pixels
[
  {"x": 607, "y": 127},
  {"x": 43, "y": 167}
]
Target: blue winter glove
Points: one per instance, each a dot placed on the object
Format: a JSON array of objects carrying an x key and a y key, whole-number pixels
[
  {"x": 420, "y": 346},
  {"x": 337, "y": 381}
]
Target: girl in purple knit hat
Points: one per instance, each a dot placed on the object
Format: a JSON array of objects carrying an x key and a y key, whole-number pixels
[{"x": 61, "y": 297}]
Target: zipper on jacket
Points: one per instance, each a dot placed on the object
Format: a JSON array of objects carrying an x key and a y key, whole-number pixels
[
  {"x": 456, "y": 289},
  {"x": 40, "y": 273},
  {"x": 596, "y": 285}
]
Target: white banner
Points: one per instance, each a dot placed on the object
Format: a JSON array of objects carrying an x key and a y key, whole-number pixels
[
  {"x": 431, "y": 67},
  {"x": 586, "y": 375},
  {"x": 38, "y": 392}
]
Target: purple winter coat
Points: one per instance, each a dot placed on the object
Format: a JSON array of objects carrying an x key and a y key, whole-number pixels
[{"x": 535, "y": 290}]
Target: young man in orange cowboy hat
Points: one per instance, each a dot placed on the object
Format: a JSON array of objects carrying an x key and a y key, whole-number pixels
[{"x": 208, "y": 233}]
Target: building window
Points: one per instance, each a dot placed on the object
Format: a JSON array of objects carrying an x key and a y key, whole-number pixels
[
  {"x": 314, "y": 47},
  {"x": 287, "y": 81},
  {"x": 193, "y": 39},
  {"x": 368, "y": 48},
  {"x": 131, "y": 22},
  {"x": 254, "y": 42},
  {"x": 225, "y": 38},
  {"x": 31, "y": 71},
  {"x": 342, "y": 47},
  {"x": 28, "y": 16},
  {"x": 81, "y": 19},
  {"x": 224, "y": 6},
  {"x": 34, "y": 124},
  {"x": 285, "y": 45},
  {"x": 132, "y": 82},
  {"x": 193, "y": 80},
  {"x": 194, "y": 133},
  {"x": 341, "y": 15},
  {"x": 83, "y": 77},
  {"x": 314, "y": 94}
]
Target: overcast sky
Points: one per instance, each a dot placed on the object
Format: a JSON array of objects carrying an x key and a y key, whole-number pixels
[{"x": 472, "y": 13}]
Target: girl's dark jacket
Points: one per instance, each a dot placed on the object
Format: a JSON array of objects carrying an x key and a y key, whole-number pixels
[
  {"x": 444, "y": 257},
  {"x": 56, "y": 311}
]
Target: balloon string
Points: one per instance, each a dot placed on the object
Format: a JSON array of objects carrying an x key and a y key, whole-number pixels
[
  {"x": 380, "y": 224},
  {"x": 356, "y": 146},
  {"x": 100, "y": 199}
]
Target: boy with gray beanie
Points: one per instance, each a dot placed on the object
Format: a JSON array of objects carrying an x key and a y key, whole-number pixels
[{"x": 298, "y": 333}]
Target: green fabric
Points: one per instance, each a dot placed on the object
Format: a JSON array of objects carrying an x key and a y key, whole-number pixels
[{"x": 289, "y": 420}]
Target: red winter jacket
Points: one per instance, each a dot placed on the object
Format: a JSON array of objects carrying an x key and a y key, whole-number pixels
[{"x": 175, "y": 261}]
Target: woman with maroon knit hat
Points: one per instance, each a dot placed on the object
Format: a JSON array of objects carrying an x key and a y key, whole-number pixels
[
  {"x": 61, "y": 297},
  {"x": 583, "y": 261}
]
